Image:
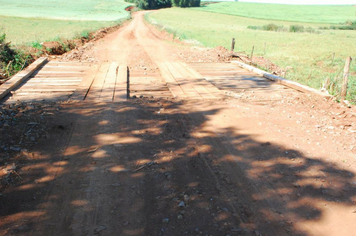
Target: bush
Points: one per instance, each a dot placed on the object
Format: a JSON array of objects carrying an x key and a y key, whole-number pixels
[
  {"x": 186, "y": 3},
  {"x": 348, "y": 25},
  {"x": 151, "y": 4},
  {"x": 296, "y": 28},
  {"x": 254, "y": 27},
  {"x": 269, "y": 27},
  {"x": 11, "y": 60},
  {"x": 310, "y": 30}
]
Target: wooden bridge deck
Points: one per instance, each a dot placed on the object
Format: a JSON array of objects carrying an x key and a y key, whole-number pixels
[{"x": 111, "y": 82}]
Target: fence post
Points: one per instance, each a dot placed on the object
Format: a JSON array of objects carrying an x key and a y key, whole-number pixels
[
  {"x": 232, "y": 45},
  {"x": 253, "y": 48},
  {"x": 345, "y": 78}
]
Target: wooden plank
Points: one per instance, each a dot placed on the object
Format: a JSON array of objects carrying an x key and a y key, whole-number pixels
[
  {"x": 198, "y": 85},
  {"x": 144, "y": 87},
  {"x": 54, "y": 80},
  {"x": 19, "y": 94},
  {"x": 61, "y": 83},
  {"x": 59, "y": 77},
  {"x": 59, "y": 73},
  {"x": 98, "y": 83},
  {"x": 26, "y": 97},
  {"x": 64, "y": 68},
  {"x": 186, "y": 85},
  {"x": 45, "y": 86},
  {"x": 172, "y": 84},
  {"x": 68, "y": 63},
  {"x": 107, "y": 94},
  {"x": 154, "y": 94},
  {"x": 44, "y": 90},
  {"x": 20, "y": 77},
  {"x": 84, "y": 86},
  {"x": 121, "y": 92},
  {"x": 210, "y": 87}
]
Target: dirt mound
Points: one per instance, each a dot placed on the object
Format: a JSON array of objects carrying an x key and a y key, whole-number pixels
[{"x": 53, "y": 48}]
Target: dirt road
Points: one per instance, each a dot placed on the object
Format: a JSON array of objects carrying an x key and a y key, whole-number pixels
[{"x": 251, "y": 163}]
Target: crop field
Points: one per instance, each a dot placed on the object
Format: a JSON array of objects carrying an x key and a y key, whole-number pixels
[
  {"x": 297, "y": 13},
  {"x": 84, "y": 10},
  {"x": 310, "y": 56},
  {"x": 26, "y": 22}
]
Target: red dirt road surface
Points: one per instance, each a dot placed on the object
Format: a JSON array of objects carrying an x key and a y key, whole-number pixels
[{"x": 225, "y": 156}]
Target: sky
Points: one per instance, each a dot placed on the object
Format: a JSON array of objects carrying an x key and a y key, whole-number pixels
[{"x": 307, "y": 2}]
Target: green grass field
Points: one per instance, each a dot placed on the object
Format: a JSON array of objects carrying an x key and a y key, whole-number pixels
[
  {"x": 84, "y": 10},
  {"x": 283, "y": 12},
  {"x": 309, "y": 55},
  {"x": 29, "y": 30},
  {"x": 25, "y": 21}
]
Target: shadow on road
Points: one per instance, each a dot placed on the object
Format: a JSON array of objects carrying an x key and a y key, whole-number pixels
[{"x": 149, "y": 167}]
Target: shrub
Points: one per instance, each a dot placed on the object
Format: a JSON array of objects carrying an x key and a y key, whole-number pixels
[
  {"x": 348, "y": 25},
  {"x": 254, "y": 27},
  {"x": 296, "y": 28},
  {"x": 310, "y": 30},
  {"x": 186, "y": 3},
  {"x": 151, "y": 4},
  {"x": 269, "y": 27},
  {"x": 11, "y": 60}
]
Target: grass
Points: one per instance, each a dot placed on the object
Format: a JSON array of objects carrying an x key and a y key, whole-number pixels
[
  {"x": 84, "y": 10},
  {"x": 296, "y": 13},
  {"x": 28, "y": 30},
  {"x": 309, "y": 55}
]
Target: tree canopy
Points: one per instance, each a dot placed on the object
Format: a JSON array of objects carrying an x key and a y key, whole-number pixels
[{"x": 156, "y": 4}]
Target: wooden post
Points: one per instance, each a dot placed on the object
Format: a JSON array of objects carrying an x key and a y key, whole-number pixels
[
  {"x": 253, "y": 48},
  {"x": 327, "y": 83},
  {"x": 345, "y": 78},
  {"x": 232, "y": 45}
]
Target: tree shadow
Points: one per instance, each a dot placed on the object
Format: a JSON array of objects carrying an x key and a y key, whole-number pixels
[{"x": 148, "y": 167}]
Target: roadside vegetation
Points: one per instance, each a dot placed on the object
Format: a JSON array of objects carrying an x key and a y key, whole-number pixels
[
  {"x": 11, "y": 60},
  {"x": 307, "y": 57}
]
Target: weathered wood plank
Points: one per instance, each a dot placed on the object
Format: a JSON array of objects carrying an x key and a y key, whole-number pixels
[
  {"x": 210, "y": 87},
  {"x": 186, "y": 85},
  {"x": 107, "y": 94},
  {"x": 145, "y": 87},
  {"x": 46, "y": 90},
  {"x": 172, "y": 84},
  {"x": 121, "y": 87},
  {"x": 197, "y": 85},
  {"x": 97, "y": 85},
  {"x": 20, "y": 77},
  {"x": 84, "y": 86}
]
